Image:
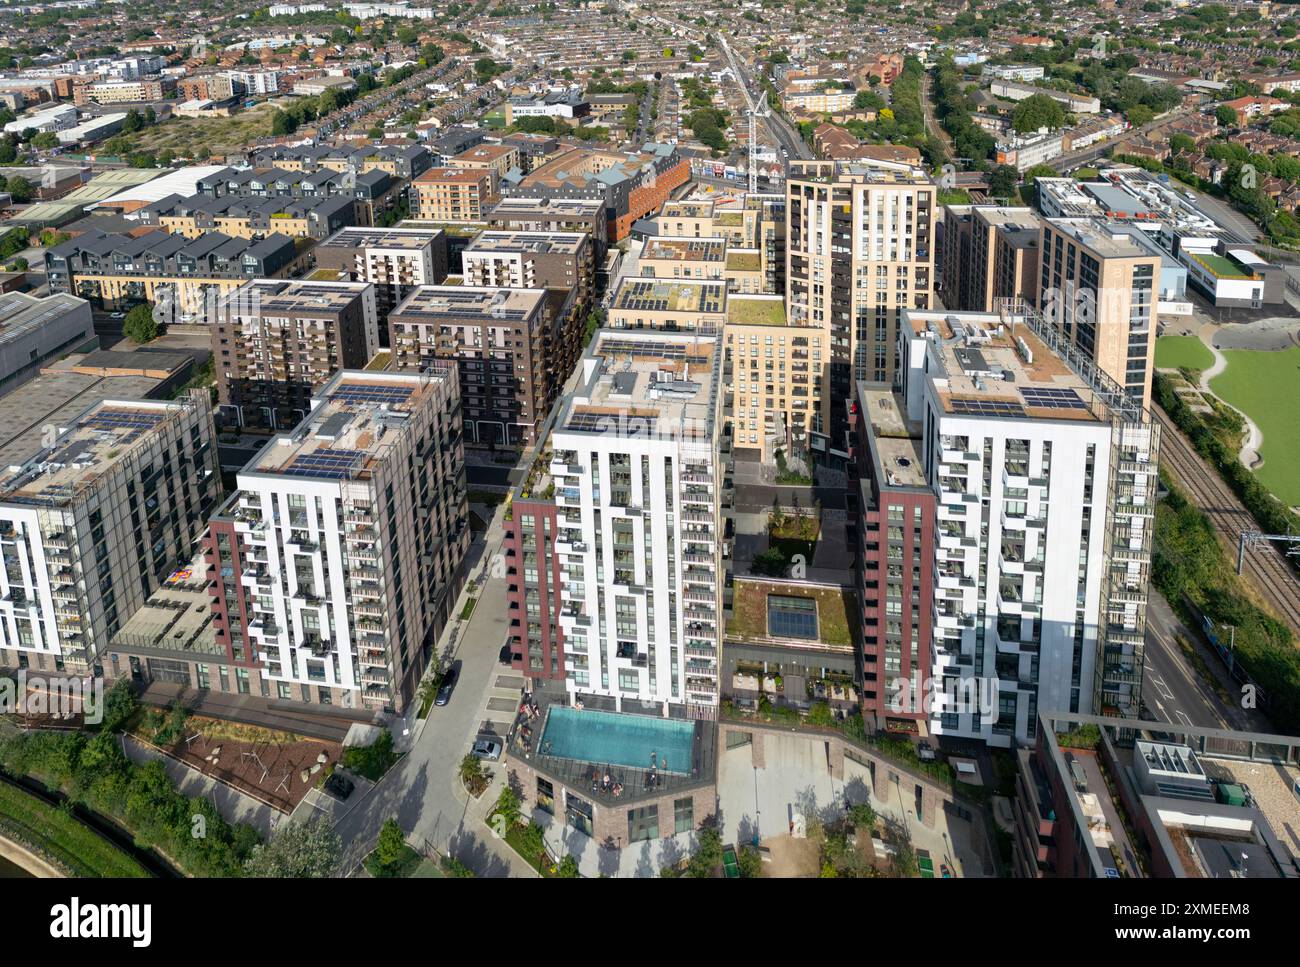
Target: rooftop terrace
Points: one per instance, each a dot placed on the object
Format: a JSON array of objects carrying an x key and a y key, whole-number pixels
[
  {"x": 392, "y": 238},
  {"x": 685, "y": 249},
  {"x": 538, "y": 243},
  {"x": 86, "y": 449},
  {"x": 675, "y": 295},
  {"x": 460, "y": 304},
  {"x": 989, "y": 369},
  {"x": 353, "y": 423}
]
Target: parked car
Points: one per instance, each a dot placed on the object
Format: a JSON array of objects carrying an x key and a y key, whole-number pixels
[
  {"x": 339, "y": 786},
  {"x": 486, "y": 749},
  {"x": 445, "y": 690}
]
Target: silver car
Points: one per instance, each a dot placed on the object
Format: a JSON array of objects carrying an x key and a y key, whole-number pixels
[{"x": 487, "y": 749}]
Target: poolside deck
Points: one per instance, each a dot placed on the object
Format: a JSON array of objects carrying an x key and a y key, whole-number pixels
[{"x": 587, "y": 778}]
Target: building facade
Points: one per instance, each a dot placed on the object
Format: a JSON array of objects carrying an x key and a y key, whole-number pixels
[
  {"x": 93, "y": 520},
  {"x": 275, "y": 343},
  {"x": 335, "y": 563}
]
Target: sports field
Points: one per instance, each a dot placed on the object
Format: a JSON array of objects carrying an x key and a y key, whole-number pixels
[{"x": 1266, "y": 387}]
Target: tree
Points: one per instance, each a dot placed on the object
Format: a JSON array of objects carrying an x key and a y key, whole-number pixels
[
  {"x": 20, "y": 189},
  {"x": 1226, "y": 116},
  {"x": 309, "y": 849},
  {"x": 140, "y": 326},
  {"x": 45, "y": 140},
  {"x": 1003, "y": 181},
  {"x": 391, "y": 847},
  {"x": 1035, "y": 112},
  {"x": 1031, "y": 175},
  {"x": 862, "y": 816},
  {"x": 708, "y": 854},
  {"x": 1139, "y": 114},
  {"x": 508, "y": 806}
]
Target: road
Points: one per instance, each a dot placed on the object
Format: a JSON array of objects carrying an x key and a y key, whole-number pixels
[
  {"x": 1265, "y": 567},
  {"x": 780, "y": 128},
  {"x": 423, "y": 790},
  {"x": 1174, "y": 691},
  {"x": 1093, "y": 152}
]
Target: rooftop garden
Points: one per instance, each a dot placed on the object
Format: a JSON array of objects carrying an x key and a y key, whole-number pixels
[
  {"x": 750, "y": 603},
  {"x": 744, "y": 262},
  {"x": 1221, "y": 267},
  {"x": 756, "y": 311}
]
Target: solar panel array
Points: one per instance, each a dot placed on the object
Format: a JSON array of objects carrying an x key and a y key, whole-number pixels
[
  {"x": 357, "y": 393},
  {"x": 122, "y": 420},
  {"x": 654, "y": 350},
  {"x": 326, "y": 464},
  {"x": 789, "y": 617},
  {"x": 981, "y": 407},
  {"x": 604, "y": 422},
  {"x": 1052, "y": 398}
]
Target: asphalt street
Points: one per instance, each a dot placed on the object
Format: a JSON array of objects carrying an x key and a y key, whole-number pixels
[{"x": 1172, "y": 689}]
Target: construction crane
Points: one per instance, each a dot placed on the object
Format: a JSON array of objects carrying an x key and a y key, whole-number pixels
[{"x": 758, "y": 110}]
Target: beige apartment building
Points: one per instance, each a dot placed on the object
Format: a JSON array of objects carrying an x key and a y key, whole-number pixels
[
  {"x": 497, "y": 159},
  {"x": 452, "y": 195},
  {"x": 859, "y": 251},
  {"x": 990, "y": 253},
  {"x": 1100, "y": 288},
  {"x": 671, "y": 305},
  {"x": 776, "y": 377},
  {"x": 688, "y": 257},
  {"x": 757, "y": 224}
]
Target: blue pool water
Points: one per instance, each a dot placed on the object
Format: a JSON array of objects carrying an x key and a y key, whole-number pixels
[{"x": 618, "y": 739}]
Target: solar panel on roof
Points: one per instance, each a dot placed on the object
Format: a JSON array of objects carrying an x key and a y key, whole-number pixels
[
  {"x": 122, "y": 420},
  {"x": 1052, "y": 398},
  {"x": 982, "y": 407},
  {"x": 366, "y": 393},
  {"x": 327, "y": 464}
]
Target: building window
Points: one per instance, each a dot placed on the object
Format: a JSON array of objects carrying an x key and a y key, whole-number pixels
[
  {"x": 683, "y": 815},
  {"x": 643, "y": 824}
]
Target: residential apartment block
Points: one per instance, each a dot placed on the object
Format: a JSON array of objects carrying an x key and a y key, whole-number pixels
[
  {"x": 115, "y": 271},
  {"x": 452, "y": 195},
  {"x": 1044, "y": 471},
  {"x": 394, "y": 260},
  {"x": 93, "y": 519},
  {"x": 896, "y": 571},
  {"x": 859, "y": 252},
  {"x": 614, "y": 536},
  {"x": 334, "y": 565},
  {"x": 1101, "y": 289},
  {"x": 498, "y": 338},
  {"x": 990, "y": 254},
  {"x": 776, "y": 379},
  {"x": 275, "y": 343},
  {"x": 527, "y": 213}
]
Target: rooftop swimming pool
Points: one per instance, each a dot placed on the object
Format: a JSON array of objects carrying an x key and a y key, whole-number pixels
[{"x": 613, "y": 738}]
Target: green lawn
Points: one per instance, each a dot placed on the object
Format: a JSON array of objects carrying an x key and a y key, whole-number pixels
[
  {"x": 1182, "y": 352},
  {"x": 1266, "y": 387},
  {"x": 62, "y": 836}
]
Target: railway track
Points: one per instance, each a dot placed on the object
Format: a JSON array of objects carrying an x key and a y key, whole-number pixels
[{"x": 1266, "y": 566}]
